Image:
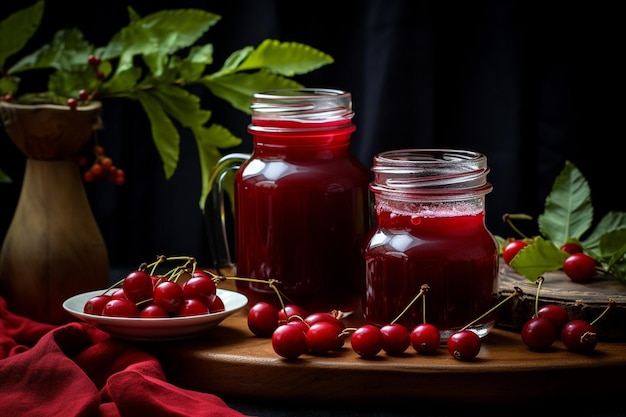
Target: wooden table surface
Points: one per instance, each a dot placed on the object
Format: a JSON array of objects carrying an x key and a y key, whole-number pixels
[{"x": 231, "y": 362}]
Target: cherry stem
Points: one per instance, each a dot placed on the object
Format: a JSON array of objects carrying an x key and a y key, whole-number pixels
[
  {"x": 517, "y": 291},
  {"x": 538, "y": 282},
  {"x": 423, "y": 289},
  {"x": 507, "y": 219},
  {"x": 608, "y": 307}
]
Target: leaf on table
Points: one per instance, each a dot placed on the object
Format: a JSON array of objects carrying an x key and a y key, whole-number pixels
[{"x": 538, "y": 257}]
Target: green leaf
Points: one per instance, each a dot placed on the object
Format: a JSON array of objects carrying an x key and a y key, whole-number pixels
[
  {"x": 163, "y": 33},
  {"x": 611, "y": 221},
  {"x": 239, "y": 88},
  {"x": 193, "y": 66},
  {"x": 285, "y": 58},
  {"x": 612, "y": 243},
  {"x": 568, "y": 210},
  {"x": 181, "y": 105},
  {"x": 67, "y": 50},
  {"x": 164, "y": 133},
  {"x": 18, "y": 28},
  {"x": 121, "y": 81},
  {"x": 537, "y": 258}
]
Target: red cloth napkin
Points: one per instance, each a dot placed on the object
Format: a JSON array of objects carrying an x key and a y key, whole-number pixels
[{"x": 78, "y": 370}]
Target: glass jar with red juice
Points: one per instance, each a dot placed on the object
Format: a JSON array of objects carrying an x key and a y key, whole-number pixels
[
  {"x": 430, "y": 231},
  {"x": 301, "y": 202}
]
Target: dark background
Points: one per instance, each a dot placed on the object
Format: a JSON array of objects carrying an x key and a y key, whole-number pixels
[{"x": 530, "y": 84}]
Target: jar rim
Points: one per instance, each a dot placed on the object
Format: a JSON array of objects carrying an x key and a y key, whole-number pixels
[
  {"x": 306, "y": 105},
  {"x": 431, "y": 173}
]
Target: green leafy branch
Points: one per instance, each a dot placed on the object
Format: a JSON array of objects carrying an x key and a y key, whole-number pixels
[
  {"x": 153, "y": 60},
  {"x": 568, "y": 217}
]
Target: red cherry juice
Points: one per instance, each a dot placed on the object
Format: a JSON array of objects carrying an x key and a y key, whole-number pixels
[
  {"x": 451, "y": 252},
  {"x": 301, "y": 218}
]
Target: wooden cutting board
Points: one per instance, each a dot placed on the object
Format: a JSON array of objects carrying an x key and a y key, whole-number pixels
[{"x": 231, "y": 362}]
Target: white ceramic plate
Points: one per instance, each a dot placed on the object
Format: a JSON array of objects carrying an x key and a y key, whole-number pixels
[{"x": 154, "y": 329}]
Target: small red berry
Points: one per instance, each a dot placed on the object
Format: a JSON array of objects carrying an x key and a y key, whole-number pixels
[
  {"x": 580, "y": 267},
  {"x": 425, "y": 338},
  {"x": 367, "y": 341},
  {"x": 72, "y": 103},
  {"x": 579, "y": 336},
  {"x": 538, "y": 333},
  {"x": 512, "y": 249},
  {"x": 289, "y": 341},
  {"x": 464, "y": 345},
  {"x": 571, "y": 248},
  {"x": 396, "y": 338}
]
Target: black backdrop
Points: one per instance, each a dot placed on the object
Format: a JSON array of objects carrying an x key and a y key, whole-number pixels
[{"x": 530, "y": 84}]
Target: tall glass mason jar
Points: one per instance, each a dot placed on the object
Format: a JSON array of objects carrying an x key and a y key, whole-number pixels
[
  {"x": 301, "y": 202},
  {"x": 430, "y": 230}
]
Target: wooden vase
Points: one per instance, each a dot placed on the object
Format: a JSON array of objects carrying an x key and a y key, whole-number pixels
[{"x": 53, "y": 248}]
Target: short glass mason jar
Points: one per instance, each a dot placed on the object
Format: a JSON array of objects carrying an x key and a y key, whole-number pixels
[{"x": 430, "y": 231}]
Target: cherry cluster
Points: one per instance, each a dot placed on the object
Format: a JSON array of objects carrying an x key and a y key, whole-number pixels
[
  {"x": 551, "y": 322},
  {"x": 578, "y": 266},
  {"x": 295, "y": 332},
  {"x": 102, "y": 167},
  {"x": 182, "y": 291}
]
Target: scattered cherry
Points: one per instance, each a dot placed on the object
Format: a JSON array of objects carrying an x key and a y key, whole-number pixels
[
  {"x": 556, "y": 314},
  {"x": 367, "y": 341},
  {"x": 571, "y": 248},
  {"x": 579, "y": 336},
  {"x": 289, "y": 341},
  {"x": 464, "y": 345},
  {"x": 263, "y": 319},
  {"x": 512, "y": 249},
  {"x": 580, "y": 267},
  {"x": 425, "y": 338},
  {"x": 396, "y": 338},
  {"x": 538, "y": 333},
  {"x": 324, "y": 336}
]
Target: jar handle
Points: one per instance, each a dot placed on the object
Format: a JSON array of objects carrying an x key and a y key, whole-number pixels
[{"x": 214, "y": 213}]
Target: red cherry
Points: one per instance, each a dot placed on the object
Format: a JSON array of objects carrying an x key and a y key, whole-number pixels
[
  {"x": 118, "y": 307},
  {"x": 464, "y": 345},
  {"x": 396, "y": 338},
  {"x": 580, "y": 267},
  {"x": 291, "y": 310},
  {"x": 169, "y": 296},
  {"x": 289, "y": 341},
  {"x": 556, "y": 314},
  {"x": 192, "y": 307},
  {"x": 217, "y": 305},
  {"x": 153, "y": 311},
  {"x": 538, "y": 333},
  {"x": 263, "y": 319},
  {"x": 200, "y": 286},
  {"x": 367, "y": 341},
  {"x": 512, "y": 249},
  {"x": 579, "y": 336},
  {"x": 323, "y": 337},
  {"x": 96, "y": 304},
  {"x": 425, "y": 338},
  {"x": 571, "y": 248},
  {"x": 137, "y": 286}
]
